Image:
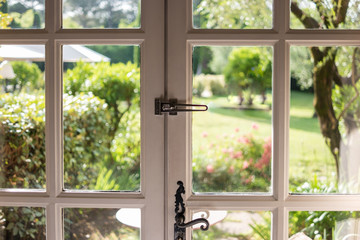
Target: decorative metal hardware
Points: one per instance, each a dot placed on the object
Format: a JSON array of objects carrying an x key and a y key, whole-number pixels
[
  {"x": 172, "y": 107},
  {"x": 180, "y": 225}
]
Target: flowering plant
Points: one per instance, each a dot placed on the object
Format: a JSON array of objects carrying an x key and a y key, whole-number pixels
[{"x": 235, "y": 163}]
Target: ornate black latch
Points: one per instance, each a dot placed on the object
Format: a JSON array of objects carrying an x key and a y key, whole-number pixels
[
  {"x": 180, "y": 225},
  {"x": 172, "y": 107}
]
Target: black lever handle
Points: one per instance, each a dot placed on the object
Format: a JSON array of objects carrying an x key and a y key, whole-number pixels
[
  {"x": 172, "y": 107},
  {"x": 180, "y": 225}
]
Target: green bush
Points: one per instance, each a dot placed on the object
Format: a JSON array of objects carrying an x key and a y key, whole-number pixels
[
  {"x": 85, "y": 121},
  {"x": 28, "y": 78},
  {"x": 22, "y": 223},
  {"x": 213, "y": 83},
  {"x": 248, "y": 69},
  {"x": 237, "y": 163},
  {"x": 22, "y": 141}
]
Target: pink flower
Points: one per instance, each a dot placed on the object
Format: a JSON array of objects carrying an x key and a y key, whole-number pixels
[
  {"x": 237, "y": 155},
  {"x": 209, "y": 168},
  {"x": 243, "y": 139},
  {"x": 249, "y": 180},
  {"x": 255, "y": 126},
  {"x": 245, "y": 165},
  {"x": 204, "y": 134},
  {"x": 237, "y": 129}
]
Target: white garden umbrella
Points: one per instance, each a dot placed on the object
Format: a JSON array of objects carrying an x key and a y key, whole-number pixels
[
  {"x": 6, "y": 70},
  {"x": 71, "y": 53}
]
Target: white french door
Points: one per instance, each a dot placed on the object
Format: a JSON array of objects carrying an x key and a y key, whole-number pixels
[
  {"x": 55, "y": 198},
  {"x": 182, "y": 40},
  {"x": 167, "y": 38}
]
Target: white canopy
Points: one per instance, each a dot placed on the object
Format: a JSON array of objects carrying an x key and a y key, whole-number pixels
[{"x": 71, "y": 53}]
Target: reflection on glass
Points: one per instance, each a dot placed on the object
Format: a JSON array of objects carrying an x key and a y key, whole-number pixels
[
  {"x": 101, "y": 14},
  {"x": 22, "y": 223},
  {"x": 324, "y": 225},
  {"x": 325, "y": 14},
  {"x": 22, "y": 116},
  {"x": 324, "y": 120},
  {"x": 101, "y": 112},
  {"x": 228, "y": 225},
  {"x": 232, "y": 140},
  {"x": 100, "y": 223},
  {"x": 232, "y": 14},
  {"x": 24, "y": 14}
]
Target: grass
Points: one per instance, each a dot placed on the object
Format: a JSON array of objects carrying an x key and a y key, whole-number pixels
[{"x": 308, "y": 154}]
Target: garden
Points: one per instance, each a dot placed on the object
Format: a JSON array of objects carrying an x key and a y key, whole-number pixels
[{"x": 231, "y": 143}]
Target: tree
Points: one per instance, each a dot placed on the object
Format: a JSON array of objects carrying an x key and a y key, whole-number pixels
[
  {"x": 248, "y": 69},
  {"x": 326, "y": 73}
]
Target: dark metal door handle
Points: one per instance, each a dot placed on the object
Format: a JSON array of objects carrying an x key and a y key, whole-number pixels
[
  {"x": 180, "y": 225},
  {"x": 172, "y": 107}
]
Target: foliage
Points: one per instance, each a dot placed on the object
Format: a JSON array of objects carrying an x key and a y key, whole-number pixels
[
  {"x": 233, "y": 14},
  {"x": 301, "y": 67},
  {"x": 22, "y": 142},
  {"x": 117, "y": 53},
  {"x": 212, "y": 83},
  {"x": 344, "y": 98},
  {"x": 220, "y": 58},
  {"x": 248, "y": 69},
  {"x": 317, "y": 224},
  {"x": 233, "y": 164},
  {"x": 86, "y": 119},
  {"x": 201, "y": 57},
  {"x": 101, "y": 13},
  {"x": 22, "y": 223},
  {"x": 28, "y": 76},
  {"x": 117, "y": 84},
  {"x": 262, "y": 230},
  {"x": 5, "y": 19}
]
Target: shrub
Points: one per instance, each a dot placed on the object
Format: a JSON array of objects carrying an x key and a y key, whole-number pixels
[
  {"x": 248, "y": 69},
  {"x": 117, "y": 84},
  {"x": 22, "y": 141},
  {"x": 213, "y": 83},
  {"x": 237, "y": 163},
  {"x": 28, "y": 76},
  {"x": 22, "y": 223},
  {"x": 85, "y": 144}
]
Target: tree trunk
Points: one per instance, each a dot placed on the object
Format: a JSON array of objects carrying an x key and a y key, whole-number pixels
[{"x": 325, "y": 73}]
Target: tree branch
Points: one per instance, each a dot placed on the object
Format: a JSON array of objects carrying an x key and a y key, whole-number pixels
[
  {"x": 340, "y": 9},
  {"x": 306, "y": 20}
]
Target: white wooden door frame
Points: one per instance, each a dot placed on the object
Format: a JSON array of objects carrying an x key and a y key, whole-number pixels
[
  {"x": 150, "y": 37},
  {"x": 181, "y": 37}
]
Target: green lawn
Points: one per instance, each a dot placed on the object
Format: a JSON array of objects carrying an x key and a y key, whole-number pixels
[{"x": 308, "y": 152}]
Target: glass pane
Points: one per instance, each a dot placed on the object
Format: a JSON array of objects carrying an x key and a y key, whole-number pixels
[
  {"x": 325, "y": 14},
  {"x": 324, "y": 120},
  {"x": 22, "y": 116},
  {"x": 101, "y": 13},
  {"x": 24, "y": 14},
  {"x": 232, "y": 14},
  {"x": 22, "y": 223},
  {"x": 101, "y": 112},
  {"x": 102, "y": 223},
  {"x": 324, "y": 225},
  {"x": 231, "y": 142},
  {"x": 229, "y": 225}
]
